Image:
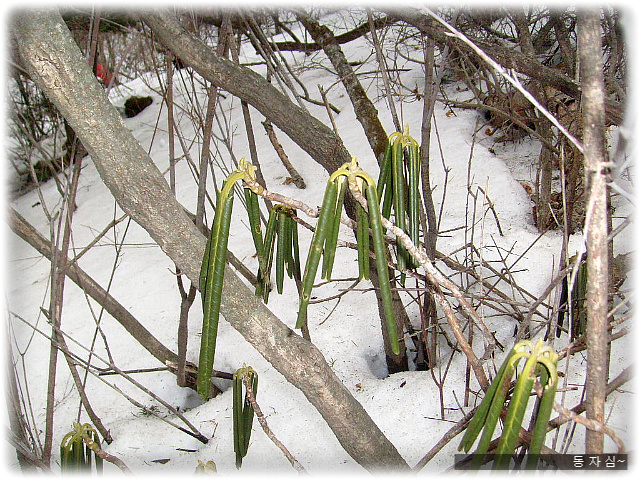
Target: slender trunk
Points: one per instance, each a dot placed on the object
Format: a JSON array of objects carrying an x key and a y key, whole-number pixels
[
  {"x": 543, "y": 185},
  {"x": 593, "y": 94},
  {"x": 246, "y": 114},
  {"x": 58, "y": 268},
  {"x": 186, "y": 300},
  {"x": 365, "y": 111},
  {"x": 429, "y": 100}
]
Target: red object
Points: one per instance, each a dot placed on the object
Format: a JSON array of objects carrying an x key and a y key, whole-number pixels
[{"x": 102, "y": 73}]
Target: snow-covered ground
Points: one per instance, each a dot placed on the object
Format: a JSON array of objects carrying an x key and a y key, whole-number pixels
[{"x": 406, "y": 406}]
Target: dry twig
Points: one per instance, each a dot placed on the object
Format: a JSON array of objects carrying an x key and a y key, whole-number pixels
[{"x": 265, "y": 427}]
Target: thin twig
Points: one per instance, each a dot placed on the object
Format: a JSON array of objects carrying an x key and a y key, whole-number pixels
[
  {"x": 263, "y": 423},
  {"x": 104, "y": 455},
  {"x": 383, "y": 70},
  {"x": 194, "y": 432},
  {"x": 323, "y": 94},
  {"x": 295, "y": 176},
  {"x": 446, "y": 438}
]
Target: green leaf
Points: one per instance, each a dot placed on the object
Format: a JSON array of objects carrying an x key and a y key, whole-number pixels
[
  {"x": 295, "y": 247},
  {"x": 253, "y": 212},
  {"x": 384, "y": 179},
  {"x": 414, "y": 196},
  {"x": 381, "y": 265},
  {"x": 333, "y": 230},
  {"x": 280, "y": 254},
  {"x": 238, "y": 432},
  {"x": 242, "y": 412},
  {"x": 315, "y": 250},
  {"x": 213, "y": 293},
  {"x": 362, "y": 239},
  {"x": 517, "y": 406},
  {"x": 269, "y": 244},
  {"x": 495, "y": 409},
  {"x": 545, "y": 408},
  {"x": 399, "y": 199},
  {"x": 477, "y": 422}
]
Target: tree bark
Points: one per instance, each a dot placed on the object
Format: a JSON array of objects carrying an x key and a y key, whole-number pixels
[
  {"x": 313, "y": 136},
  {"x": 57, "y": 66},
  {"x": 346, "y": 37},
  {"x": 593, "y": 95}
]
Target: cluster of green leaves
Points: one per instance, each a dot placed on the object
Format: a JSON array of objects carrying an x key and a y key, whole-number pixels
[
  {"x": 541, "y": 361},
  {"x": 212, "y": 275},
  {"x": 324, "y": 241},
  {"x": 242, "y": 412},
  {"x": 398, "y": 189},
  {"x": 281, "y": 232},
  {"x": 75, "y": 454},
  {"x": 280, "y": 236}
]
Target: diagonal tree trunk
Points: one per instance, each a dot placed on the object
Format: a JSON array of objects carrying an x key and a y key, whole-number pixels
[
  {"x": 365, "y": 110},
  {"x": 57, "y": 66}
]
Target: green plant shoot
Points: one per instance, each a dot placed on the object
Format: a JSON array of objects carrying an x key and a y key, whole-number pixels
[
  {"x": 75, "y": 453},
  {"x": 212, "y": 275},
  {"x": 325, "y": 237},
  {"x": 398, "y": 185},
  {"x": 540, "y": 363},
  {"x": 242, "y": 412},
  {"x": 281, "y": 238}
]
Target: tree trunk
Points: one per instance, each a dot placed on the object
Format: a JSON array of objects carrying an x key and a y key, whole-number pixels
[
  {"x": 593, "y": 95},
  {"x": 57, "y": 66},
  {"x": 365, "y": 110},
  {"x": 543, "y": 186}
]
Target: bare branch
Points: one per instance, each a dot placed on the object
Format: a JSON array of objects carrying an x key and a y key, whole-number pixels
[{"x": 265, "y": 427}]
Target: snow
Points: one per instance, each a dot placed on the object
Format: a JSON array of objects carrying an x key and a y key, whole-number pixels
[{"x": 406, "y": 406}]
